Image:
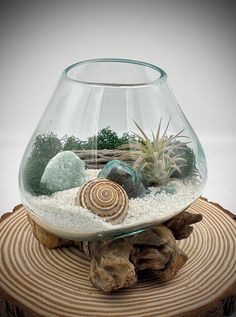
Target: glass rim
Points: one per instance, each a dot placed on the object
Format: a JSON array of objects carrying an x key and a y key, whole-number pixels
[{"x": 160, "y": 79}]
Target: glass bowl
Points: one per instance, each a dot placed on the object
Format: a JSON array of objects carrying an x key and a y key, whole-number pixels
[{"x": 112, "y": 155}]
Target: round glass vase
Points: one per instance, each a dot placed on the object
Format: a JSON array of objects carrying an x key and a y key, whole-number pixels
[{"x": 112, "y": 155}]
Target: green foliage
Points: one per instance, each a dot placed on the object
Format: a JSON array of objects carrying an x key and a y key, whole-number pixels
[
  {"x": 72, "y": 143},
  {"x": 45, "y": 147},
  {"x": 91, "y": 143},
  {"x": 107, "y": 139},
  {"x": 127, "y": 138}
]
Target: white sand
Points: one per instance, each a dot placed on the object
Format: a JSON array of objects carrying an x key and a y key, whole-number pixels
[{"x": 60, "y": 209}]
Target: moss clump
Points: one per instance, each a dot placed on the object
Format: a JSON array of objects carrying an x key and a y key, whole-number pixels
[
  {"x": 45, "y": 147},
  {"x": 72, "y": 143},
  {"x": 127, "y": 138},
  {"x": 109, "y": 140},
  {"x": 189, "y": 168},
  {"x": 105, "y": 139}
]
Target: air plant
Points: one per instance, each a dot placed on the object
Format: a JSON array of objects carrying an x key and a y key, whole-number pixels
[{"x": 156, "y": 158}]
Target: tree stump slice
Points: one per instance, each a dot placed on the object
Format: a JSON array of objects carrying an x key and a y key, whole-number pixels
[{"x": 35, "y": 281}]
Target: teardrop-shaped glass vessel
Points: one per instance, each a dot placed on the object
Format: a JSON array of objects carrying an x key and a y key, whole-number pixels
[{"x": 113, "y": 153}]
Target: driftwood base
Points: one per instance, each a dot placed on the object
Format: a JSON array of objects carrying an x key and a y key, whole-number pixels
[
  {"x": 116, "y": 263},
  {"x": 36, "y": 281}
]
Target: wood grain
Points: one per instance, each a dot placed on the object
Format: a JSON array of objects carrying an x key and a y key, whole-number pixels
[
  {"x": 98, "y": 158},
  {"x": 35, "y": 281}
]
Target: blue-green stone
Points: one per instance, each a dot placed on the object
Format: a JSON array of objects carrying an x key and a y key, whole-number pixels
[
  {"x": 123, "y": 174},
  {"x": 64, "y": 171}
]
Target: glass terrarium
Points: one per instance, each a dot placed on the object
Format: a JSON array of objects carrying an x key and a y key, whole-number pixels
[{"x": 112, "y": 155}]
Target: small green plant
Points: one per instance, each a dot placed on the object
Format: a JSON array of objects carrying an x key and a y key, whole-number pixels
[
  {"x": 156, "y": 159},
  {"x": 127, "y": 138},
  {"x": 107, "y": 139},
  {"x": 72, "y": 143},
  {"x": 45, "y": 147},
  {"x": 91, "y": 143}
]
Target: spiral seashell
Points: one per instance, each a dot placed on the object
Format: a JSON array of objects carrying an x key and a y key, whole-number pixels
[{"x": 105, "y": 198}]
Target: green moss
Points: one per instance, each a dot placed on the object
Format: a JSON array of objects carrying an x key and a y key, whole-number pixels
[
  {"x": 107, "y": 139},
  {"x": 127, "y": 138},
  {"x": 189, "y": 168},
  {"x": 91, "y": 143},
  {"x": 45, "y": 147},
  {"x": 72, "y": 143}
]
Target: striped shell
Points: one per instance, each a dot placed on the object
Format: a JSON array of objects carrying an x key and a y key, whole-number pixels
[{"x": 105, "y": 198}]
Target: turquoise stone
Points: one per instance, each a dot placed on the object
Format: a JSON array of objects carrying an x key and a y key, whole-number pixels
[
  {"x": 64, "y": 171},
  {"x": 168, "y": 189},
  {"x": 123, "y": 174}
]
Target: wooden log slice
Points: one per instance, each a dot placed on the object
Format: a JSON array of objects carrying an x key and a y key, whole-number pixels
[{"x": 35, "y": 281}]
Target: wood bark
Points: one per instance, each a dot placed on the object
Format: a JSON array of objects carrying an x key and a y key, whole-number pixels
[{"x": 96, "y": 159}]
